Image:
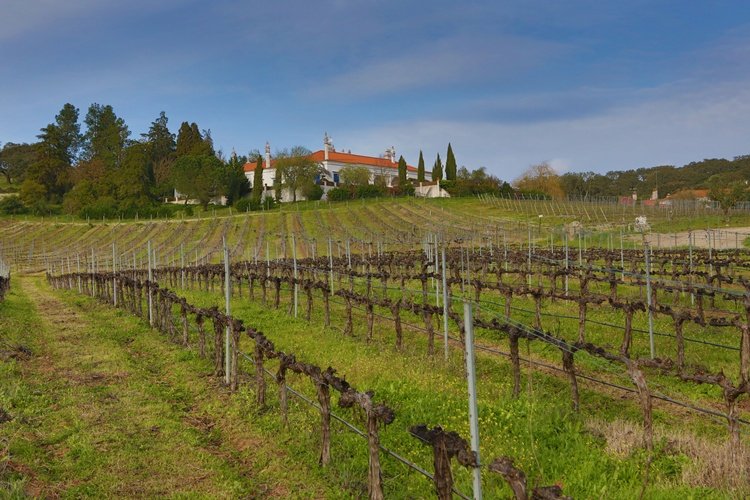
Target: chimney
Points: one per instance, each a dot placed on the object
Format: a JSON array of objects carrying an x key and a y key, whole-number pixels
[
  {"x": 268, "y": 156},
  {"x": 393, "y": 154},
  {"x": 326, "y": 145}
]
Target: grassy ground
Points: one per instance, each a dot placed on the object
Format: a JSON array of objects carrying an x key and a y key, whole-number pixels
[
  {"x": 549, "y": 441},
  {"x": 103, "y": 407}
]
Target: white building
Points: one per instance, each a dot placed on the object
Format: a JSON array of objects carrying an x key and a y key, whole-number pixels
[{"x": 383, "y": 167}]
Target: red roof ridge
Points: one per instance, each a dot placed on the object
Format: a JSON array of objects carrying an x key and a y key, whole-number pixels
[{"x": 342, "y": 157}]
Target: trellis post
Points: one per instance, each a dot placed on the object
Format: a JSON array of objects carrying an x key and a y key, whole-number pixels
[
  {"x": 445, "y": 306},
  {"x": 296, "y": 285},
  {"x": 227, "y": 332},
  {"x": 648, "y": 300},
  {"x": 472, "y": 383},
  {"x": 114, "y": 276},
  {"x": 150, "y": 278}
]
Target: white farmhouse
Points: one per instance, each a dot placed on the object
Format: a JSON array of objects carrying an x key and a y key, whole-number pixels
[{"x": 382, "y": 167}]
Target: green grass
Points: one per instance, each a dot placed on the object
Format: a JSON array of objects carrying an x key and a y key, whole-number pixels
[
  {"x": 547, "y": 440},
  {"x": 105, "y": 407}
]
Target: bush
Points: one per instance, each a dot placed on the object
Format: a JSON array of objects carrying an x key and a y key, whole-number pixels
[
  {"x": 249, "y": 204},
  {"x": 12, "y": 205},
  {"x": 405, "y": 190},
  {"x": 339, "y": 194},
  {"x": 370, "y": 191},
  {"x": 312, "y": 192}
]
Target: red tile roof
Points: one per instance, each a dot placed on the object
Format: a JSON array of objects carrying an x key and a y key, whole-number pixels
[{"x": 353, "y": 159}]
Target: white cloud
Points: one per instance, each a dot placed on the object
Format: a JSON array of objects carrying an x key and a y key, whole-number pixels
[
  {"x": 20, "y": 17},
  {"x": 446, "y": 61},
  {"x": 673, "y": 129}
]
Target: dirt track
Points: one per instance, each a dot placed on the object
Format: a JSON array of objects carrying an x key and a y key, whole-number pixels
[{"x": 732, "y": 237}]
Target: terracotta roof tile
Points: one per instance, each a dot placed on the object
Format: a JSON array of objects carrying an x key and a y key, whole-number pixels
[{"x": 350, "y": 158}]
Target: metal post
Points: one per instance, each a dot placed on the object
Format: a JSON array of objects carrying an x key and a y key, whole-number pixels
[
  {"x": 445, "y": 307},
  {"x": 182, "y": 264},
  {"x": 78, "y": 263},
  {"x": 529, "y": 262},
  {"x": 227, "y": 295},
  {"x": 114, "y": 275},
  {"x": 622, "y": 258},
  {"x": 330, "y": 261},
  {"x": 471, "y": 377},
  {"x": 150, "y": 277},
  {"x": 296, "y": 286},
  {"x": 93, "y": 271},
  {"x": 690, "y": 250},
  {"x": 648, "y": 300},
  {"x": 567, "y": 261}
]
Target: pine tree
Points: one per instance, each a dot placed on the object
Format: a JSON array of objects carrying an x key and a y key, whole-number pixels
[
  {"x": 437, "y": 169},
  {"x": 401, "y": 171},
  {"x": 420, "y": 168},
  {"x": 450, "y": 164},
  {"x": 258, "y": 179}
]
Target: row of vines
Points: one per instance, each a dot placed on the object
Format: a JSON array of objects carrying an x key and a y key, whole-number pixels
[{"x": 204, "y": 329}]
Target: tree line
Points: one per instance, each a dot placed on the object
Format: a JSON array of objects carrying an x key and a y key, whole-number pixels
[{"x": 96, "y": 168}]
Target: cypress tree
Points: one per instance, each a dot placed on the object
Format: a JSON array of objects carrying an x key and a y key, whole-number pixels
[
  {"x": 420, "y": 168},
  {"x": 437, "y": 169},
  {"x": 258, "y": 179},
  {"x": 450, "y": 164},
  {"x": 401, "y": 171},
  {"x": 277, "y": 184}
]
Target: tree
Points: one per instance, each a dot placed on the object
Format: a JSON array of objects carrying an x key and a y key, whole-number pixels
[
  {"x": 15, "y": 160},
  {"x": 296, "y": 168},
  {"x": 450, "y": 164},
  {"x": 63, "y": 138},
  {"x": 437, "y": 169},
  {"x": 726, "y": 191},
  {"x": 541, "y": 179},
  {"x": 33, "y": 195},
  {"x": 235, "y": 181},
  {"x": 131, "y": 182},
  {"x": 420, "y": 168},
  {"x": 198, "y": 177},
  {"x": 161, "y": 150},
  {"x": 106, "y": 135},
  {"x": 401, "y": 171},
  {"x": 354, "y": 176},
  {"x": 190, "y": 141},
  {"x": 277, "y": 185},
  {"x": 258, "y": 179}
]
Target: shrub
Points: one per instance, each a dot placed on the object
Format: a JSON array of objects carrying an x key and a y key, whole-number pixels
[
  {"x": 406, "y": 190},
  {"x": 312, "y": 192},
  {"x": 249, "y": 204},
  {"x": 370, "y": 191},
  {"x": 12, "y": 205},
  {"x": 339, "y": 194}
]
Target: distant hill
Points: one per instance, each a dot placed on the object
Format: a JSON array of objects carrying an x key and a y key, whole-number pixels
[{"x": 667, "y": 178}]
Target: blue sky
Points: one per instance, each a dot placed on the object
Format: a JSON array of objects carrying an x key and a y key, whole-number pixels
[{"x": 585, "y": 85}]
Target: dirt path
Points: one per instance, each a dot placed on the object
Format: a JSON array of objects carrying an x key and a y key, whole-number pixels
[
  {"x": 732, "y": 237},
  {"x": 105, "y": 407}
]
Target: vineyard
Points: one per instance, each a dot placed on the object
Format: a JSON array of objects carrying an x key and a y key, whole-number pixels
[
  {"x": 403, "y": 289},
  {"x": 598, "y": 365},
  {"x": 366, "y": 227}
]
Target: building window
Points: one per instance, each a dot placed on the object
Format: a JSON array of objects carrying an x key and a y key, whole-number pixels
[{"x": 336, "y": 177}]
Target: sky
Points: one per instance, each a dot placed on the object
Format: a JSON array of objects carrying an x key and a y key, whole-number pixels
[{"x": 586, "y": 85}]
